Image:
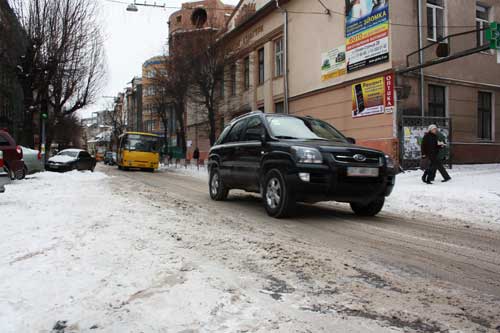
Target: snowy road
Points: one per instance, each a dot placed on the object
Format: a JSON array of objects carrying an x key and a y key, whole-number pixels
[{"x": 140, "y": 252}]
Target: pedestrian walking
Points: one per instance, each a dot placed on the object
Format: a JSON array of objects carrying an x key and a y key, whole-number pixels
[
  {"x": 441, "y": 157},
  {"x": 430, "y": 151},
  {"x": 196, "y": 154}
]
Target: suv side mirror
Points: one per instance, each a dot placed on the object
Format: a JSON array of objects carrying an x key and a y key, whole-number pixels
[
  {"x": 351, "y": 140},
  {"x": 255, "y": 134}
]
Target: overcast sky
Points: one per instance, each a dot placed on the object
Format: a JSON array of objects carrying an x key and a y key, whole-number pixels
[{"x": 130, "y": 39}]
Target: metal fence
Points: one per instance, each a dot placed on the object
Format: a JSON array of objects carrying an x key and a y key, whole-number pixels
[{"x": 412, "y": 130}]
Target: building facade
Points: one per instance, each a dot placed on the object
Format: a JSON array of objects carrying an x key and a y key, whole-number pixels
[
  {"x": 207, "y": 18},
  {"x": 132, "y": 105},
  {"x": 343, "y": 60}
]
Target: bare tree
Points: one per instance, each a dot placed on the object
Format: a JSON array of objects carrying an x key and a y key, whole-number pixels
[
  {"x": 172, "y": 82},
  {"x": 209, "y": 66},
  {"x": 114, "y": 118},
  {"x": 65, "y": 63}
]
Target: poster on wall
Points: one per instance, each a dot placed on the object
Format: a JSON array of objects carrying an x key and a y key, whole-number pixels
[
  {"x": 367, "y": 33},
  {"x": 413, "y": 136},
  {"x": 375, "y": 96},
  {"x": 333, "y": 63}
]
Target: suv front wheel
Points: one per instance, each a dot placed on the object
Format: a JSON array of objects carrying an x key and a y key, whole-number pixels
[
  {"x": 218, "y": 190},
  {"x": 277, "y": 196},
  {"x": 369, "y": 209}
]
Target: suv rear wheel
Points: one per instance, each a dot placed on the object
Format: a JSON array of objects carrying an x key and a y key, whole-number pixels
[
  {"x": 218, "y": 190},
  {"x": 370, "y": 209},
  {"x": 277, "y": 196}
]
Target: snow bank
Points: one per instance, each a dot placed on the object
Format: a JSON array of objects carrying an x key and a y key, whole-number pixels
[
  {"x": 473, "y": 195},
  {"x": 190, "y": 170}
]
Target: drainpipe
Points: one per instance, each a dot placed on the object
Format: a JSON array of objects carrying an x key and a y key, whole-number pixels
[
  {"x": 285, "y": 50},
  {"x": 421, "y": 58}
]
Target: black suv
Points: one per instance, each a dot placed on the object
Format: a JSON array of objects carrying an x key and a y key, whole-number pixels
[{"x": 288, "y": 159}]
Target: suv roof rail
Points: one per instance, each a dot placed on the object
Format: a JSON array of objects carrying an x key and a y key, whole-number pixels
[{"x": 246, "y": 114}]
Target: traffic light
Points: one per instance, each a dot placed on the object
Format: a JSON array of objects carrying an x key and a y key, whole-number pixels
[
  {"x": 493, "y": 35},
  {"x": 44, "y": 115}
]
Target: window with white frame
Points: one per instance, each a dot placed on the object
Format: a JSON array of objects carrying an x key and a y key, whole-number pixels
[
  {"x": 435, "y": 20},
  {"x": 482, "y": 19},
  {"x": 278, "y": 57}
]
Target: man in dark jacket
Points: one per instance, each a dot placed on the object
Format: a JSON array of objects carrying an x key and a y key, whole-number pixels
[
  {"x": 441, "y": 156},
  {"x": 430, "y": 150}
]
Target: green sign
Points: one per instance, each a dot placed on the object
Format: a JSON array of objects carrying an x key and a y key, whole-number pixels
[{"x": 493, "y": 35}]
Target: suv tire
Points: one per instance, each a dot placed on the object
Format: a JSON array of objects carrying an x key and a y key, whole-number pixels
[
  {"x": 370, "y": 209},
  {"x": 216, "y": 187},
  {"x": 277, "y": 196}
]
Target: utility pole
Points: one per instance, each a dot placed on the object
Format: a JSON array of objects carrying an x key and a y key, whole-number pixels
[
  {"x": 285, "y": 60},
  {"x": 421, "y": 59}
]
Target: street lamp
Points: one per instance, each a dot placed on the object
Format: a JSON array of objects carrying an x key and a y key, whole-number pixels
[{"x": 133, "y": 6}]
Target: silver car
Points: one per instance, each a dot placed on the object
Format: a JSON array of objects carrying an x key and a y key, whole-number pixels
[{"x": 33, "y": 161}]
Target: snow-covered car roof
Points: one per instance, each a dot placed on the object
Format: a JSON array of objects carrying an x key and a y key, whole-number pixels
[{"x": 72, "y": 150}]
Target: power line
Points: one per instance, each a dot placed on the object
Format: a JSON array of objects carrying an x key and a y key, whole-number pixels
[{"x": 313, "y": 13}]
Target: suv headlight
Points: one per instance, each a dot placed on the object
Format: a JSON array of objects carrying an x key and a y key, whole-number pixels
[
  {"x": 307, "y": 155},
  {"x": 389, "y": 162}
]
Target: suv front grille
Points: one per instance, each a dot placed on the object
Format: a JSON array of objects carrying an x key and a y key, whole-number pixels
[{"x": 348, "y": 158}]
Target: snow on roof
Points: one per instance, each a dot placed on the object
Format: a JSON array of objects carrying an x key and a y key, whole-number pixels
[{"x": 73, "y": 150}]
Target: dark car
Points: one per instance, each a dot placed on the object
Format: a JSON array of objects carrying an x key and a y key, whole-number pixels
[
  {"x": 12, "y": 156},
  {"x": 110, "y": 158},
  {"x": 289, "y": 159},
  {"x": 71, "y": 159}
]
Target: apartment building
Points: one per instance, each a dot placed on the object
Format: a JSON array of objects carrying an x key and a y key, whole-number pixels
[{"x": 340, "y": 61}]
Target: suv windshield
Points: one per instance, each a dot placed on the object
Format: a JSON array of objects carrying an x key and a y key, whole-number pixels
[{"x": 304, "y": 129}]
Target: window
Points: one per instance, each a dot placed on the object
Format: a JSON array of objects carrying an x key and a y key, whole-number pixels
[
  {"x": 222, "y": 88},
  {"x": 236, "y": 131},
  {"x": 254, "y": 129},
  {"x": 279, "y": 107},
  {"x": 437, "y": 101},
  {"x": 435, "y": 20},
  {"x": 278, "y": 57},
  {"x": 179, "y": 19},
  {"x": 484, "y": 115},
  {"x": 482, "y": 18},
  {"x": 261, "y": 109},
  {"x": 261, "y": 65},
  {"x": 232, "y": 74},
  {"x": 246, "y": 72}
]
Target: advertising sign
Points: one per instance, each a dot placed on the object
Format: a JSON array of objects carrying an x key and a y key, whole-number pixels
[
  {"x": 333, "y": 63},
  {"x": 389, "y": 93},
  {"x": 413, "y": 136},
  {"x": 367, "y": 33},
  {"x": 374, "y": 96}
]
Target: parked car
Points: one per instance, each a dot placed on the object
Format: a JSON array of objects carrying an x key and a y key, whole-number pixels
[
  {"x": 12, "y": 156},
  {"x": 71, "y": 159},
  {"x": 4, "y": 177},
  {"x": 32, "y": 161},
  {"x": 110, "y": 158},
  {"x": 291, "y": 159}
]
